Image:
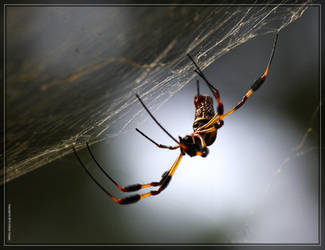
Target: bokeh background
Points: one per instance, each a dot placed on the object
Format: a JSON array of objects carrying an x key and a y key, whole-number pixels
[{"x": 259, "y": 184}]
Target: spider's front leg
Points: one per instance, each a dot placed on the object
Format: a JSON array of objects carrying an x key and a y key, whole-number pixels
[
  {"x": 166, "y": 177},
  {"x": 129, "y": 188}
]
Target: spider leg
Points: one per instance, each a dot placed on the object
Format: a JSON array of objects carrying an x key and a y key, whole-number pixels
[
  {"x": 198, "y": 87},
  {"x": 216, "y": 121},
  {"x": 157, "y": 144},
  {"x": 257, "y": 84},
  {"x": 165, "y": 180},
  {"x": 203, "y": 143},
  {"x": 102, "y": 169},
  {"x": 129, "y": 188},
  {"x": 155, "y": 120},
  {"x": 134, "y": 198},
  {"x": 211, "y": 129},
  {"x": 92, "y": 177}
]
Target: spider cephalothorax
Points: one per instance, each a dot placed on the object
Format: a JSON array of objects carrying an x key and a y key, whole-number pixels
[
  {"x": 205, "y": 126},
  {"x": 193, "y": 145}
]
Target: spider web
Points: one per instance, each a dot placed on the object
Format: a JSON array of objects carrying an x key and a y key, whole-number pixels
[
  {"x": 70, "y": 80},
  {"x": 305, "y": 145}
]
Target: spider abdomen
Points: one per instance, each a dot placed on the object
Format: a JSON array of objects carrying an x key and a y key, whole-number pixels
[
  {"x": 204, "y": 109},
  {"x": 204, "y": 112}
]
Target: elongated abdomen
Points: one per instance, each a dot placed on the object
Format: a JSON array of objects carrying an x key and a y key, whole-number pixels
[{"x": 204, "y": 111}]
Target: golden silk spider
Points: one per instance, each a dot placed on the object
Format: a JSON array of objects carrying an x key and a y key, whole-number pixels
[{"x": 205, "y": 127}]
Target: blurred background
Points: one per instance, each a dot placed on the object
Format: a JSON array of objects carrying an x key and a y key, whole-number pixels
[{"x": 259, "y": 184}]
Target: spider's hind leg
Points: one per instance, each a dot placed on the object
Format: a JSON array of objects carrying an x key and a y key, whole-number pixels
[
  {"x": 163, "y": 183},
  {"x": 257, "y": 84}
]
